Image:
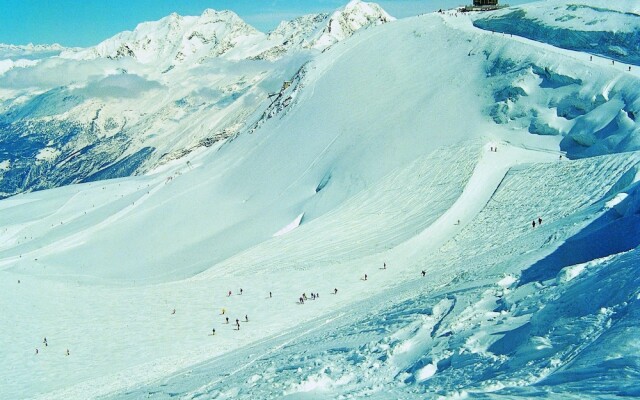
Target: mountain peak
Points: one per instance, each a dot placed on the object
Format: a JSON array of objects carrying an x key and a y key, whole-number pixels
[
  {"x": 320, "y": 31},
  {"x": 344, "y": 22},
  {"x": 177, "y": 39},
  {"x": 211, "y": 14},
  {"x": 174, "y": 39},
  {"x": 354, "y": 3}
]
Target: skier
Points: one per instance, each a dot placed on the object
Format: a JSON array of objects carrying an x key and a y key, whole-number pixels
[
  {"x": 539, "y": 221},
  {"x": 335, "y": 291},
  {"x": 213, "y": 331},
  {"x": 301, "y": 300},
  {"x": 317, "y": 295},
  {"x": 238, "y": 323},
  {"x": 365, "y": 277},
  {"x": 533, "y": 224},
  {"x": 223, "y": 311},
  {"x": 36, "y": 351},
  {"x": 67, "y": 352},
  {"x": 173, "y": 312},
  {"x": 304, "y": 295},
  {"x": 424, "y": 273},
  {"x": 313, "y": 296},
  {"x": 246, "y": 318},
  {"x": 45, "y": 342},
  {"x": 270, "y": 295},
  {"x": 229, "y": 295},
  {"x": 241, "y": 291},
  {"x": 227, "y": 318},
  {"x": 384, "y": 265}
]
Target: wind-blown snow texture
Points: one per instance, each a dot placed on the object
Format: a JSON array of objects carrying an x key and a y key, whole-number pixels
[
  {"x": 608, "y": 28},
  {"x": 465, "y": 204}
]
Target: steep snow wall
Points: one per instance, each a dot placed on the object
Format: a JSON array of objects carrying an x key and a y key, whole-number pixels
[{"x": 610, "y": 29}]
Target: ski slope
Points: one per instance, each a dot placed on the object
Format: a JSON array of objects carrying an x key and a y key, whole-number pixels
[{"x": 380, "y": 166}]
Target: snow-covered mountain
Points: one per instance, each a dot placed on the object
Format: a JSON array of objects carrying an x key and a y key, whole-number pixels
[
  {"x": 10, "y": 51},
  {"x": 176, "y": 39},
  {"x": 321, "y": 31},
  {"x": 12, "y": 56},
  {"x": 463, "y": 204},
  {"x": 142, "y": 98},
  {"x": 345, "y": 22}
]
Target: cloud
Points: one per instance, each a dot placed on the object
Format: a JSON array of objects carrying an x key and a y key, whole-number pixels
[
  {"x": 119, "y": 86},
  {"x": 50, "y": 73},
  {"x": 59, "y": 72}
]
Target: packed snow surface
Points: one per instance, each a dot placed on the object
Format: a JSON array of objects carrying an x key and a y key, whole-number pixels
[{"x": 456, "y": 215}]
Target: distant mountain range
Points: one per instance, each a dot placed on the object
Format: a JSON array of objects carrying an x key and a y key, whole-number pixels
[{"x": 151, "y": 95}]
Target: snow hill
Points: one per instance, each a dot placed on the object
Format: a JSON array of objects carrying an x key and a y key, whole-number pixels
[
  {"x": 146, "y": 97},
  {"x": 465, "y": 203}
]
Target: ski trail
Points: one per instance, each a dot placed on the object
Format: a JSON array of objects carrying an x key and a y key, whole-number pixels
[
  {"x": 81, "y": 235},
  {"x": 485, "y": 180}
]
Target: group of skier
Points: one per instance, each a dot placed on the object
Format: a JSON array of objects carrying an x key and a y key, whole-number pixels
[
  {"x": 301, "y": 300},
  {"x": 533, "y": 223},
  {"x": 224, "y": 312},
  {"x": 46, "y": 344}
]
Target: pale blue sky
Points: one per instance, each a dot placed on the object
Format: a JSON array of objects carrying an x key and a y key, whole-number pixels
[{"x": 88, "y": 22}]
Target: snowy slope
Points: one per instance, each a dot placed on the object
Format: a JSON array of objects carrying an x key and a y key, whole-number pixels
[
  {"x": 365, "y": 161},
  {"x": 608, "y": 28}
]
